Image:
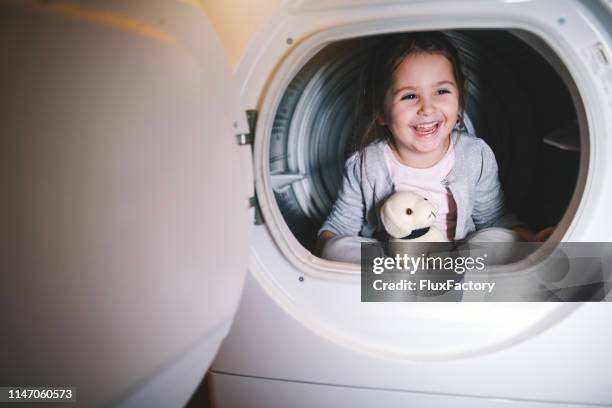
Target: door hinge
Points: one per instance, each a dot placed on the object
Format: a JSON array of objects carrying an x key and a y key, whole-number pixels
[
  {"x": 248, "y": 138},
  {"x": 258, "y": 215}
]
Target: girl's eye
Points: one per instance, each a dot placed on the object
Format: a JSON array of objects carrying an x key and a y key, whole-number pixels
[
  {"x": 408, "y": 97},
  {"x": 442, "y": 91}
]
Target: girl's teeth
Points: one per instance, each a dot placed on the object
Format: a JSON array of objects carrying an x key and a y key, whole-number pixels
[{"x": 428, "y": 128}]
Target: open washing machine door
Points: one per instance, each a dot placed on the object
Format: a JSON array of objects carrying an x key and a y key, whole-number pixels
[{"x": 126, "y": 218}]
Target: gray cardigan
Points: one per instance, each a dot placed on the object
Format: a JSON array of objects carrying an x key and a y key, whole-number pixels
[{"x": 473, "y": 182}]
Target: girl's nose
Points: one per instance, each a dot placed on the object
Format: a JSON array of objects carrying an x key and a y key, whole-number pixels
[{"x": 426, "y": 107}]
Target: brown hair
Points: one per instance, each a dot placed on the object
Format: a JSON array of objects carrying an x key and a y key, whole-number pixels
[{"x": 377, "y": 75}]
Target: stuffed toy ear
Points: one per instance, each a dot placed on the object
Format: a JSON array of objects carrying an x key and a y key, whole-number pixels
[{"x": 391, "y": 225}]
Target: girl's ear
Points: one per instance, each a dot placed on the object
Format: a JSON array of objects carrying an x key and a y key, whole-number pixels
[{"x": 380, "y": 120}]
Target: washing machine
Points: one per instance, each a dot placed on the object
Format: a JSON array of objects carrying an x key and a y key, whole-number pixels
[
  {"x": 154, "y": 198},
  {"x": 301, "y": 336}
]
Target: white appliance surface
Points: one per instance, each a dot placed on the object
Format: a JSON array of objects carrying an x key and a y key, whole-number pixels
[{"x": 301, "y": 320}]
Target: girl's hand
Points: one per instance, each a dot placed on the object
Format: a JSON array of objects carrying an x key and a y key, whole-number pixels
[
  {"x": 525, "y": 234},
  {"x": 528, "y": 235},
  {"x": 545, "y": 233},
  {"x": 321, "y": 241}
]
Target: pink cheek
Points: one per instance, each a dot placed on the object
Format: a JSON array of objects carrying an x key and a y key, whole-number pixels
[{"x": 401, "y": 111}]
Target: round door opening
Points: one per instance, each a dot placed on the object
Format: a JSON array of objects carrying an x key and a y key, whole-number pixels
[{"x": 517, "y": 102}]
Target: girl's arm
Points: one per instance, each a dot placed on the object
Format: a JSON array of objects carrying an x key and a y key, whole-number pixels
[
  {"x": 346, "y": 216},
  {"x": 489, "y": 208}
]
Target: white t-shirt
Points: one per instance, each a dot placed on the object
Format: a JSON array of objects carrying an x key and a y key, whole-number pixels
[{"x": 430, "y": 183}]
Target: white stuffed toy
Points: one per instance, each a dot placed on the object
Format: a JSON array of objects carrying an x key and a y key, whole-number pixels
[{"x": 409, "y": 217}]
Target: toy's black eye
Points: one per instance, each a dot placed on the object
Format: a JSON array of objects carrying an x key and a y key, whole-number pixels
[
  {"x": 409, "y": 211},
  {"x": 425, "y": 199}
]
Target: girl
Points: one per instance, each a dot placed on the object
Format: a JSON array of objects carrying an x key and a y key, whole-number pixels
[{"x": 413, "y": 97}]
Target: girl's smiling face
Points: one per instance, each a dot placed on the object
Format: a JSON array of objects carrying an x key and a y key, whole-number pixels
[{"x": 421, "y": 108}]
